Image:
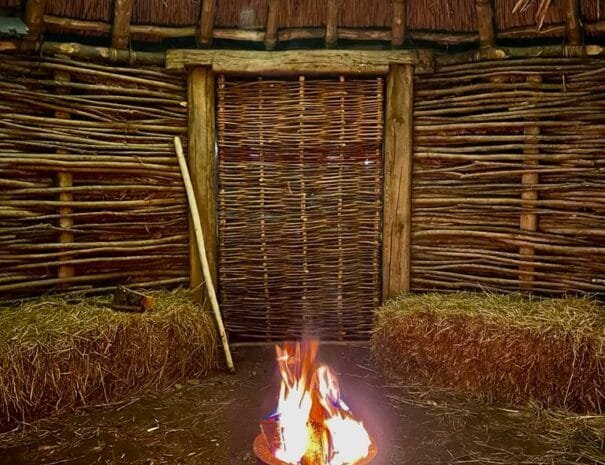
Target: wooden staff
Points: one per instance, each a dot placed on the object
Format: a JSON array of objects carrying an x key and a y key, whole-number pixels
[{"x": 199, "y": 236}]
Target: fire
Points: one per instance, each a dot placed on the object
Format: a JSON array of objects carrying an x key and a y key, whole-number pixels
[{"x": 312, "y": 425}]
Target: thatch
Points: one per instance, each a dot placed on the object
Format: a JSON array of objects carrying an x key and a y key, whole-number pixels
[
  {"x": 58, "y": 354},
  {"x": 504, "y": 348}
]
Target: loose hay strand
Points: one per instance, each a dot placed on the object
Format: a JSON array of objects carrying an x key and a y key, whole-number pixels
[{"x": 58, "y": 353}]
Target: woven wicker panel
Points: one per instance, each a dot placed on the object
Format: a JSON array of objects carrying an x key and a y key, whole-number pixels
[
  {"x": 471, "y": 145},
  {"x": 300, "y": 176}
]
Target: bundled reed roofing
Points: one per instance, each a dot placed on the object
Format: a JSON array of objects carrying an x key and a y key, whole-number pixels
[
  {"x": 505, "y": 348},
  {"x": 58, "y": 354},
  {"x": 440, "y": 21}
]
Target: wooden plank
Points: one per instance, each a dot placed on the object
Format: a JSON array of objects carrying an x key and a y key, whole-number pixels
[
  {"x": 397, "y": 221},
  {"x": 529, "y": 180},
  {"x": 34, "y": 18},
  {"x": 201, "y": 98},
  {"x": 271, "y": 26},
  {"x": 296, "y": 62},
  {"x": 120, "y": 33},
  {"x": 332, "y": 8},
  {"x": 485, "y": 20},
  {"x": 399, "y": 23},
  {"x": 206, "y": 23},
  {"x": 64, "y": 179}
]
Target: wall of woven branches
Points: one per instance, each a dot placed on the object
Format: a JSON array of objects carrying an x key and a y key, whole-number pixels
[
  {"x": 90, "y": 190},
  {"x": 509, "y": 177},
  {"x": 300, "y": 203}
]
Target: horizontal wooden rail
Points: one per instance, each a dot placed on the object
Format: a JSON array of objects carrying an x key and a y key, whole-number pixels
[{"x": 297, "y": 61}]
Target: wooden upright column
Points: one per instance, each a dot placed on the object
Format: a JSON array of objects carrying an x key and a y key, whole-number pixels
[
  {"x": 64, "y": 180},
  {"x": 34, "y": 18},
  {"x": 397, "y": 229},
  {"x": 120, "y": 33},
  {"x": 201, "y": 98},
  {"x": 529, "y": 194}
]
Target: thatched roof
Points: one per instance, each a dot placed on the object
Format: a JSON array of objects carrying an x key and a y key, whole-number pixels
[{"x": 439, "y": 21}]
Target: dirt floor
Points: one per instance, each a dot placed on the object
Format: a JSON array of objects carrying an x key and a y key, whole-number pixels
[{"x": 214, "y": 421}]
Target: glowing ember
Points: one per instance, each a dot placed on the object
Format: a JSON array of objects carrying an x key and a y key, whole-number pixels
[{"x": 312, "y": 425}]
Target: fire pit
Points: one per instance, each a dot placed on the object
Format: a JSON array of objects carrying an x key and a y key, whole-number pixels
[{"x": 312, "y": 425}]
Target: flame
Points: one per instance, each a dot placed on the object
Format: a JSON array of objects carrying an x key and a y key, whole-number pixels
[{"x": 312, "y": 425}]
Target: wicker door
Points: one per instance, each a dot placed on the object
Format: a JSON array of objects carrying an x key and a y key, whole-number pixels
[{"x": 300, "y": 205}]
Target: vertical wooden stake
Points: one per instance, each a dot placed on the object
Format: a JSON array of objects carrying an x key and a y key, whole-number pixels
[
  {"x": 34, "y": 18},
  {"x": 485, "y": 19},
  {"x": 332, "y": 7},
  {"x": 397, "y": 229},
  {"x": 205, "y": 31},
  {"x": 201, "y": 95},
  {"x": 399, "y": 23},
  {"x": 529, "y": 217},
  {"x": 271, "y": 29},
  {"x": 573, "y": 25},
  {"x": 64, "y": 179},
  {"x": 120, "y": 33}
]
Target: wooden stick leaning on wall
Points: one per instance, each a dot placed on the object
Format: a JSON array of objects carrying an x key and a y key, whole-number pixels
[{"x": 199, "y": 236}]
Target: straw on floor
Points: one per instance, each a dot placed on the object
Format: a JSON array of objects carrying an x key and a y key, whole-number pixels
[
  {"x": 57, "y": 354},
  {"x": 504, "y": 348}
]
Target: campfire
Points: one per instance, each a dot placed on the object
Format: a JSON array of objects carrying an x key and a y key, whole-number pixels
[{"x": 312, "y": 425}]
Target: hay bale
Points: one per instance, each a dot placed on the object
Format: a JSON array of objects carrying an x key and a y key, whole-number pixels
[
  {"x": 57, "y": 354},
  {"x": 503, "y": 348}
]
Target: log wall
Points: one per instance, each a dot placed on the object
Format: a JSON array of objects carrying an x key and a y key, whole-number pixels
[
  {"x": 509, "y": 177},
  {"x": 88, "y": 177}
]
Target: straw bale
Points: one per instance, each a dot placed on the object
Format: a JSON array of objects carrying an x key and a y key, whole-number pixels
[
  {"x": 58, "y": 354},
  {"x": 502, "y": 348}
]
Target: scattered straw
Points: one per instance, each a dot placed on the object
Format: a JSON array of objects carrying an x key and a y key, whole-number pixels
[
  {"x": 505, "y": 348},
  {"x": 58, "y": 354}
]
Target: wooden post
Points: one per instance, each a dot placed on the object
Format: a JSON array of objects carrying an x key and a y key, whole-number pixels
[
  {"x": 398, "y": 24},
  {"x": 34, "y": 18},
  {"x": 64, "y": 179},
  {"x": 573, "y": 25},
  {"x": 271, "y": 29},
  {"x": 204, "y": 36},
  {"x": 397, "y": 229},
  {"x": 332, "y": 7},
  {"x": 529, "y": 181},
  {"x": 485, "y": 19},
  {"x": 201, "y": 97},
  {"x": 120, "y": 34}
]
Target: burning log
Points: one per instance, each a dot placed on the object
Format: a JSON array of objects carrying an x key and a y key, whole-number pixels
[{"x": 312, "y": 425}]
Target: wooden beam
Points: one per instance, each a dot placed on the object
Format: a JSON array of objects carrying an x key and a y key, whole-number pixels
[
  {"x": 399, "y": 23},
  {"x": 485, "y": 20},
  {"x": 332, "y": 9},
  {"x": 271, "y": 26},
  {"x": 296, "y": 62},
  {"x": 34, "y": 18},
  {"x": 397, "y": 221},
  {"x": 201, "y": 98},
  {"x": 64, "y": 179},
  {"x": 573, "y": 24},
  {"x": 529, "y": 180},
  {"x": 120, "y": 33},
  {"x": 204, "y": 35}
]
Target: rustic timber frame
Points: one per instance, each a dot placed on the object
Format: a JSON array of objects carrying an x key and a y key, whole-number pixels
[{"x": 398, "y": 66}]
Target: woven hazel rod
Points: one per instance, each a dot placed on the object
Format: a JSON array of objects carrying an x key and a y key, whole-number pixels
[{"x": 195, "y": 216}]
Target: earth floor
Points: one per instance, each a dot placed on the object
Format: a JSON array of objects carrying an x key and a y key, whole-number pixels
[{"x": 215, "y": 420}]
